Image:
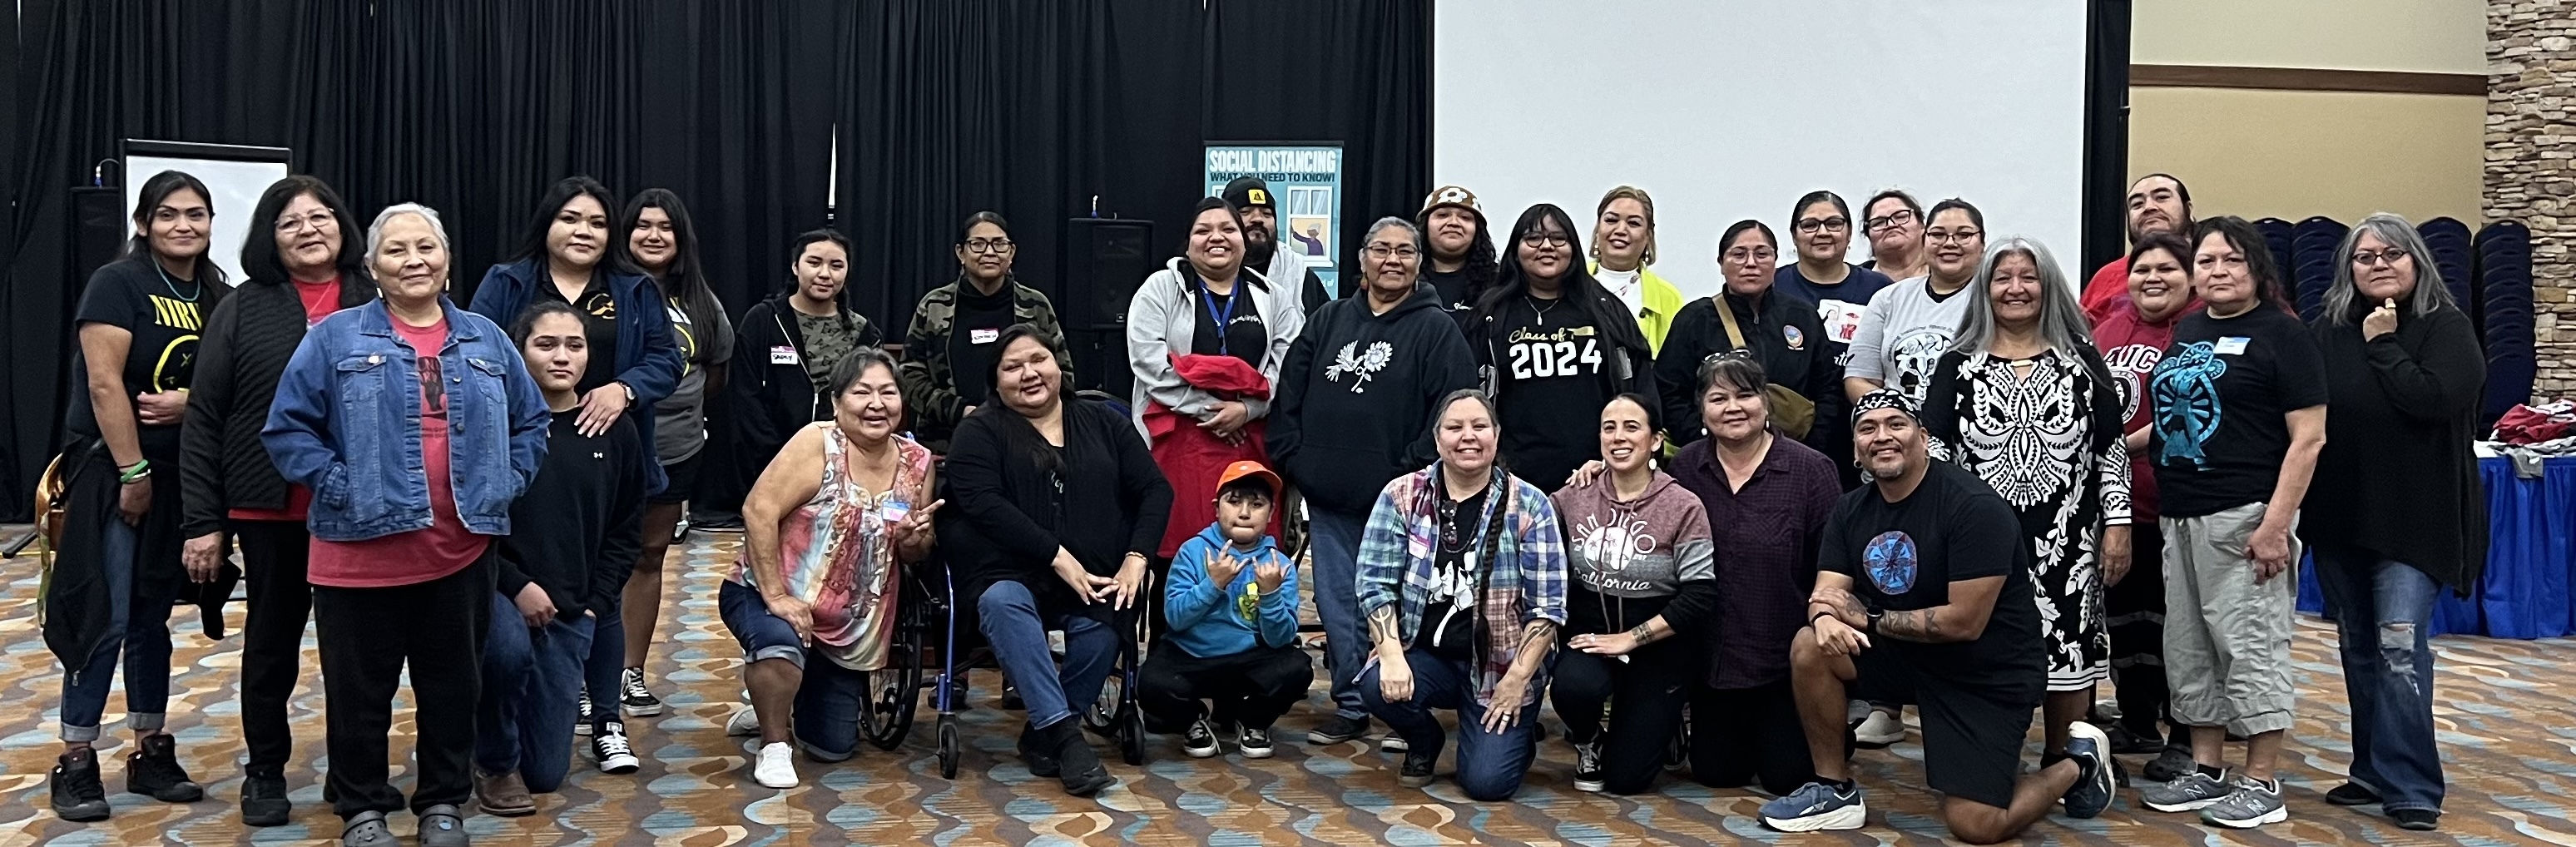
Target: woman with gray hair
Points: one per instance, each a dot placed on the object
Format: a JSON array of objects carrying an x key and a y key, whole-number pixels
[
  {"x": 2396, "y": 512},
  {"x": 2023, "y": 399},
  {"x": 416, "y": 425}
]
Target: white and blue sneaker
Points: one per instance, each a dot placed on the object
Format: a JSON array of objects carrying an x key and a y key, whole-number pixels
[
  {"x": 2090, "y": 747},
  {"x": 1816, "y": 806}
]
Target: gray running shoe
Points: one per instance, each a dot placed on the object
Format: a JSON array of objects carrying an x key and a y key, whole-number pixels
[
  {"x": 2190, "y": 792},
  {"x": 2251, "y": 805}
]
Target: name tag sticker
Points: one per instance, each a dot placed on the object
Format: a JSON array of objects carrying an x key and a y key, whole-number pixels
[
  {"x": 784, "y": 355},
  {"x": 895, "y": 509},
  {"x": 2231, "y": 346},
  {"x": 983, "y": 336}
]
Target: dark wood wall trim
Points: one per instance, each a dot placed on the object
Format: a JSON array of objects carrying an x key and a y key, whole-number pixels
[{"x": 2307, "y": 79}]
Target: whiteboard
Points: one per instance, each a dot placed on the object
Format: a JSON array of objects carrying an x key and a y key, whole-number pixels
[
  {"x": 1726, "y": 111},
  {"x": 235, "y": 182}
]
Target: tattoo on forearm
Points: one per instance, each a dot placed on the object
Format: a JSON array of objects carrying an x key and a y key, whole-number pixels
[
  {"x": 1536, "y": 636},
  {"x": 1645, "y": 633},
  {"x": 1911, "y": 625},
  {"x": 1382, "y": 627}
]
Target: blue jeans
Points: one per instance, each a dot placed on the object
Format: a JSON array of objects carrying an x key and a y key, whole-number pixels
[
  {"x": 531, "y": 679},
  {"x": 138, "y": 627},
  {"x": 1334, "y": 541},
  {"x": 1008, "y": 614},
  {"x": 825, "y": 719},
  {"x": 2383, "y": 611},
  {"x": 1490, "y": 765},
  {"x": 601, "y": 672}
]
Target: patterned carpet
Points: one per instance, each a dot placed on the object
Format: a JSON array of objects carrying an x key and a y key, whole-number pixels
[{"x": 2506, "y": 730}]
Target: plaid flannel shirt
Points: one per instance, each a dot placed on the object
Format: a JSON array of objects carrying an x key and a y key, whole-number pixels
[{"x": 1524, "y": 574}]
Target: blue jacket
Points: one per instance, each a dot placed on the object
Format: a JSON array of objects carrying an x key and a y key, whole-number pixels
[
  {"x": 1207, "y": 619},
  {"x": 648, "y": 359},
  {"x": 345, "y": 424}
]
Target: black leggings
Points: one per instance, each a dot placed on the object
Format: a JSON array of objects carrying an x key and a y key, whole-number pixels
[
  {"x": 274, "y": 555},
  {"x": 1650, "y": 688},
  {"x": 1739, "y": 734},
  {"x": 2136, "y": 607}
]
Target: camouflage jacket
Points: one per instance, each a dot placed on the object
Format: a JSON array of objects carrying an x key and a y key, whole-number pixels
[{"x": 929, "y": 388}]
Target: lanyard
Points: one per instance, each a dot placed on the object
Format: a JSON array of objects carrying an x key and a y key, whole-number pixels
[{"x": 1224, "y": 319}]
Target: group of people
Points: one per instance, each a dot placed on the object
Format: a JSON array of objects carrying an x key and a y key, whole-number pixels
[{"x": 1755, "y": 525}]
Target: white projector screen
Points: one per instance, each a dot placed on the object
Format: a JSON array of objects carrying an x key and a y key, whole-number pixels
[
  {"x": 1731, "y": 110},
  {"x": 236, "y": 175}
]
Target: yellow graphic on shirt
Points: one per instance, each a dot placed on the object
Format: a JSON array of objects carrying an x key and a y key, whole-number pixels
[
  {"x": 175, "y": 313},
  {"x": 681, "y": 327},
  {"x": 600, "y": 305},
  {"x": 178, "y": 360}
]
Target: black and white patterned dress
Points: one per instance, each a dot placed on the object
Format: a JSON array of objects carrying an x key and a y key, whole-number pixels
[{"x": 2049, "y": 442}]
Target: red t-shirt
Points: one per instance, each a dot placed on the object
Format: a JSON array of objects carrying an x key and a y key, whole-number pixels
[
  {"x": 421, "y": 555},
  {"x": 321, "y": 298},
  {"x": 2131, "y": 348},
  {"x": 2109, "y": 285}
]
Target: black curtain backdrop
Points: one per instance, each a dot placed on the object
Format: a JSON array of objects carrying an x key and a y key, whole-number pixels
[
  {"x": 1027, "y": 107},
  {"x": 2106, "y": 133}
]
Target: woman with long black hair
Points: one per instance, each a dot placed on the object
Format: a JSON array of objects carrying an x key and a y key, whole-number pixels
[
  {"x": 304, "y": 261},
  {"x": 567, "y": 255},
  {"x": 119, "y": 569},
  {"x": 663, "y": 243},
  {"x": 1555, "y": 346}
]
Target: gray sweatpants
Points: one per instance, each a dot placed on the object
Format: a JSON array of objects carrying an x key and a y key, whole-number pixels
[{"x": 2227, "y": 637}]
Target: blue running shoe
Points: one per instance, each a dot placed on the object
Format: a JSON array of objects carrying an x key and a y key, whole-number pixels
[{"x": 1816, "y": 806}]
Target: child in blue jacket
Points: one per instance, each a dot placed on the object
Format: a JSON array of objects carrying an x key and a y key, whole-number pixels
[{"x": 1231, "y": 608}]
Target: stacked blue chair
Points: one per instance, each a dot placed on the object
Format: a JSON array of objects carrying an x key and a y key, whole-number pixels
[
  {"x": 2312, "y": 247},
  {"x": 2454, "y": 258},
  {"x": 2277, "y": 234},
  {"x": 2505, "y": 312}
]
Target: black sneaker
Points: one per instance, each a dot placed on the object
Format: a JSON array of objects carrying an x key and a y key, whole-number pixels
[
  {"x": 582, "y": 719},
  {"x": 717, "y": 523},
  {"x": 77, "y": 794},
  {"x": 1011, "y": 701},
  {"x": 2419, "y": 820},
  {"x": 2128, "y": 742},
  {"x": 2170, "y": 765},
  {"x": 154, "y": 772},
  {"x": 636, "y": 700},
  {"x": 1417, "y": 768},
  {"x": 608, "y": 745},
  {"x": 1038, "y": 753},
  {"x": 1587, "y": 767},
  {"x": 1078, "y": 767},
  {"x": 1200, "y": 743},
  {"x": 263, "y": 800},
  {"x": 1337, "y": 729},
  {"x": 1254, "y": 741},
  {"x": 2352, "y": 794}
]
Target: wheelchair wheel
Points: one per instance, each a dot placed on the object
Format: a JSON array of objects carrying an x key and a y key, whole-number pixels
[
  {"x": 948, "y": 746},
  {"x": 893, "y": 692},
  {"x": 1131, "y": 733},
  {"x": 1102, "y": 717}
]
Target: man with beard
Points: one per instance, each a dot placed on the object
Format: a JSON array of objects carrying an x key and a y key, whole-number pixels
[
  {"x": 1251, "y": 198},
  {"x": 2157, "y": 203},
  {"x": 1462, "y": 250}
]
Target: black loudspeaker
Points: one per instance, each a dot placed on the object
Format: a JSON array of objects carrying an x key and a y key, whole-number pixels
[{"x": 1105, "y": 259}]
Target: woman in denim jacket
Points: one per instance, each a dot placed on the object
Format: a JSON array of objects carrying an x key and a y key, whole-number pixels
[{"x": 416, "y": 425}]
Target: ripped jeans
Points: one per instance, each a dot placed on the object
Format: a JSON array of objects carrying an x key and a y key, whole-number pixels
[{"x": 2383, "y": 611}]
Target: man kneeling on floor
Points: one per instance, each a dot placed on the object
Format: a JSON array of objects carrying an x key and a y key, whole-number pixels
[
  {"x": 1231, "y": 603},
  {"x": 1926, "y": 565}
]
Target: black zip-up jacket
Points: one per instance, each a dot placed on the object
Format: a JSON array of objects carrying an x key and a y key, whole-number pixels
[
  {"x": 1006, "y": 515},
  {"x": 580, "y": 524},
  {"x": 1785, "y": 336},
  {"x": 770, "y": 399},
  {"x": 242, "y": 349},
  {"x": 1356, "y": 395}
]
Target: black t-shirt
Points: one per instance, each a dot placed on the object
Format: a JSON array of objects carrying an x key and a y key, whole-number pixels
[
  {"x": 1449, "y": 615},
  {"x": 165, "y": 314},
  {"x": 1550, "y": 360},
  {"x": 2220, "y": 393},
  {"x": 1905, "y": 555},
  {"x": 1244, "y": 337},
  {"x": 1452, "y": 288},
  {"x": 598, "y": 322},
  {"x": 972, "y": 336}
]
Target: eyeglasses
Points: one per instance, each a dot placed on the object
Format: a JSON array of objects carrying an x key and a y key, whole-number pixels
[
  {"x": 1380, "y": 252},
  {"x": 1962, "y": 236},
  {"x": 1836, "y": 224},
  {"x": 1757, "y": 256},
  {"x": 1546, "y": 239},
  {"x": 988, "y": 245},
  {"x": 1890, "y": 220},
  {"x": 316, "y": 221},
  {"x": 2389, "y": 257}
]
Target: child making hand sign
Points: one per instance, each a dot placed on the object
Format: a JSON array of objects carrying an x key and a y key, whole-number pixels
[{"x": 1231, "y": 603}]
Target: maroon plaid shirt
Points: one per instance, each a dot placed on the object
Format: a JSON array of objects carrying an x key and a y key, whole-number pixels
[{"x": 1766, "y": 538}]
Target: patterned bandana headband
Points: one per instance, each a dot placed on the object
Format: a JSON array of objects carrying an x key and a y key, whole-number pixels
[{"x": 1884, "y": 398}]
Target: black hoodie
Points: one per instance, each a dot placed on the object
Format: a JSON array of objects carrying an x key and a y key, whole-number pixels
[
  {"x": 1357, "y": 394},
  {"x": 581, "y": 521},
  {"x": 771, "y": 393}
]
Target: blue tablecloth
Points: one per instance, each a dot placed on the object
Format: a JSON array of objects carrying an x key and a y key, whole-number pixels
[{"x": 2531, "y": 558}]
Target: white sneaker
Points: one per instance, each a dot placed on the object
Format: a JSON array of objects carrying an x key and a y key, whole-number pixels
[
  {"x": 1879, "y": 730},
  {"x": 776, "y": 767},
  {"x": 744, "y": 722}
]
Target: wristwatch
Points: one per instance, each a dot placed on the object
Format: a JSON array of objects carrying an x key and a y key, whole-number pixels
[{"x": 1874, "y": 615}]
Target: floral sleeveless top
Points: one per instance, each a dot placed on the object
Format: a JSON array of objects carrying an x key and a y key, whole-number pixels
[{"x": 834, "y": 553}]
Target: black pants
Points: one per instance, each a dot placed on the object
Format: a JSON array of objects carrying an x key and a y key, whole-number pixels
[
  {"x": 1649, "y": 690},
  {"x": 367, "y": 636},
  {"x": 2136, "y": 607},
  {"x": 1253, "y": 687},
  {"x": 274, "y": 554},
  {"x": 1740, "y": 734}
]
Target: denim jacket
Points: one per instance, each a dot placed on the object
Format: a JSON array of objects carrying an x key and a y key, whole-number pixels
[{"x": 346, "y": 425}]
